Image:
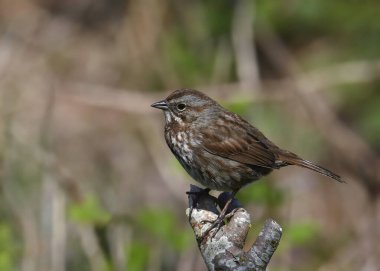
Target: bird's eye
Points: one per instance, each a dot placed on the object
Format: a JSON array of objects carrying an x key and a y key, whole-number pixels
[{"x": 181, "y": 107}]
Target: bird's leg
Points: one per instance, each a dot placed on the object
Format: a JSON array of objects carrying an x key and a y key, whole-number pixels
[
  {"x": 200, "y": 198},
  {"x": 222, "y": 215},
  {"x": 195, "y": 194}
]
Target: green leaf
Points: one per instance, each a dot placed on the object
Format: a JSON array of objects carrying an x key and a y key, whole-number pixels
[
  {"x": 302, "y": 233},
  {"x": 163, "y": 224},
  {"x": 7, "y": 247},
  {"x": 239, "y": 106},
  {"x": 137, "y": 256},
  {"x": 369, "y": 121},
  {"x": 89, "y": 211},
  {"x": 261, "y": 192}
]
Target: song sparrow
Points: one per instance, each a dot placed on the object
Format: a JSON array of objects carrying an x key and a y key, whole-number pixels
[{"x": 218, "y": 148}]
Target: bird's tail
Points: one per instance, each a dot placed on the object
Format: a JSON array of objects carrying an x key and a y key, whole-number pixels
[{"x": 290, "y": 158}]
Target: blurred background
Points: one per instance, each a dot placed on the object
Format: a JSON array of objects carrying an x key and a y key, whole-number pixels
[{"x": 86, "y": 179}]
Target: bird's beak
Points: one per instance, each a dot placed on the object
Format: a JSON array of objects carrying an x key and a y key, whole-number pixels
[{"x": 160, "y": 105}]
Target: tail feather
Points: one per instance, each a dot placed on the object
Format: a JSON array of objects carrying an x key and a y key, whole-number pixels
[{"x": 293, "y": 159}]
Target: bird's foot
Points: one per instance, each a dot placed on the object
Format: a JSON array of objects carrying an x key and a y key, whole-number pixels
[
  {"x": 200, "y": 199},
  {"x": 229, "y": 204},
  {"x": 216, "y": 226}
]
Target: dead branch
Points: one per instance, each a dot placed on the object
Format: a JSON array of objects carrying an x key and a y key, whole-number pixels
[{"x": 223, "y": 249}]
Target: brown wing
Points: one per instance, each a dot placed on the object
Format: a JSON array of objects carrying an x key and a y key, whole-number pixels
[
  {"x": 244, "y": 143},
  {"x": 241, "y": 142}
]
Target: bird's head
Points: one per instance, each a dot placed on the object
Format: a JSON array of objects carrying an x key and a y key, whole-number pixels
[{"x": 184, "y": 106}]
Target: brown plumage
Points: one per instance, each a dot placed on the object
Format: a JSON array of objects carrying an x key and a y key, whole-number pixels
[{"x": 218, "y": 148}]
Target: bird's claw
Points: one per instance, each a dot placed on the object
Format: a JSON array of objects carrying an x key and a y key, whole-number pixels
[{"x": 216, "y": 225}]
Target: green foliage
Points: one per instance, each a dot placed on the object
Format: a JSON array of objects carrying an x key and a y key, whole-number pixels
[
  {"x": 89, "y": 211},
  {"x": 271, "y": 120},
  {"x": 370, "y": 121},
  {"x": 360, "y": 106},
  {"x": 278, "y": 126},
  {"x": 239, "y": 106},
  {"x": 343, "y": 24},
  {"x": 261, "y": 192},
  {"x": 301, "y": 233},
  {"x": 219, "y": 16},
  {"x": 303, "y": 241},
  {"x": 24, "y": 176},
  {"x": 137, "y": 256},
  {"x": 7, "y": 248},
  {"x": 164, "y": 225},
  {"x": 158, "y": 225},
  {"x": 191, "y": 65}
]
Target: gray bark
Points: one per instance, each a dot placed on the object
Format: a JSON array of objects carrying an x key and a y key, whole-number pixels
[{"x": 223, "y": 249}]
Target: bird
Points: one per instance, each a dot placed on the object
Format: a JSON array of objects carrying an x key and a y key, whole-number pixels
[{"x": 218, "y": 148}]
